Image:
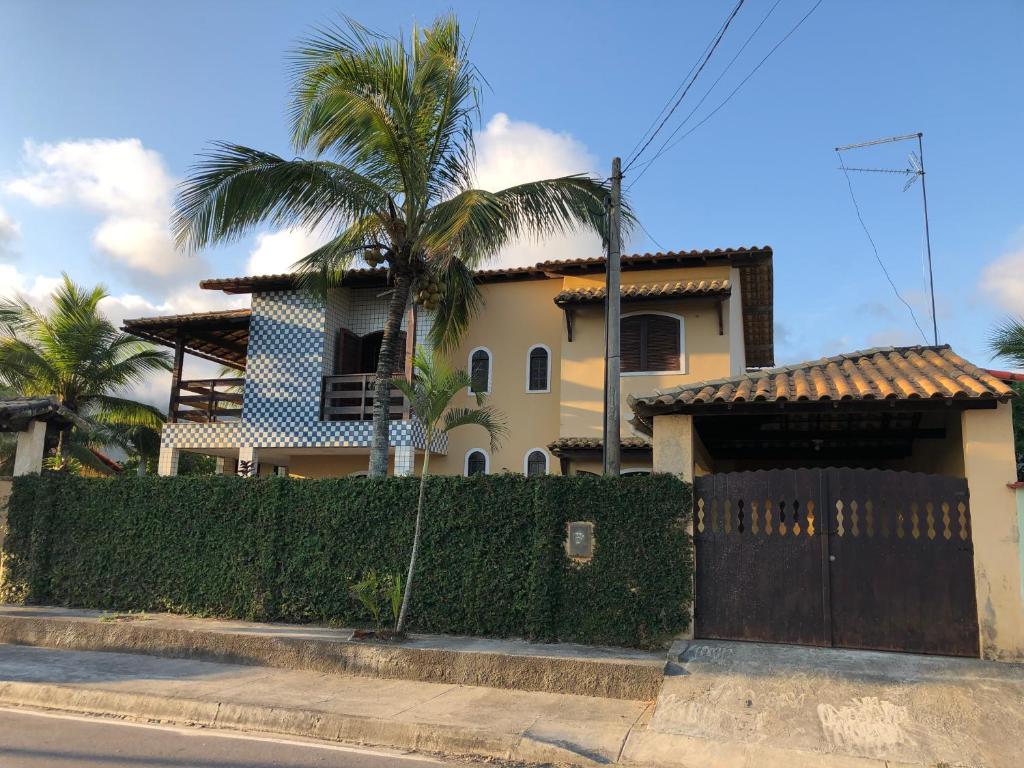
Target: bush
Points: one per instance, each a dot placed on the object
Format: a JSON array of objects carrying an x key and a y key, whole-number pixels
[{"x": 279, "y": 549}]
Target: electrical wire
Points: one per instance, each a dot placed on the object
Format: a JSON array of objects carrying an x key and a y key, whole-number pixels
[
  {"x": 693, "y": 79},
  {"x": 664, "y": 149},
  {"x": 874, "y": 247},
  {"x": 646, "y": 232},
  {"x": 722, "y": 74}
]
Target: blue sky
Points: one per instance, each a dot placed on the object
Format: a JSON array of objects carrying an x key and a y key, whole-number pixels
[{"x": 105, "y": 105}]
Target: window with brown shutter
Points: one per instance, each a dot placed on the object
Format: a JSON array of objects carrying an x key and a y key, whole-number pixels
[{"x": 650, "y": 343}]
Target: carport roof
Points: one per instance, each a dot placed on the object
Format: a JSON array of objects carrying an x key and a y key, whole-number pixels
[{"x": 880, "y": 375}]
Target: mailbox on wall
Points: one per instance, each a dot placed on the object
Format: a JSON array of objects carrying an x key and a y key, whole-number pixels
[{"x": 579, "y": 543}]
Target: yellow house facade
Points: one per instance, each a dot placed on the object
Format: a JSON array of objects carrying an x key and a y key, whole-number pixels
[{"x": 299, "y": 404}]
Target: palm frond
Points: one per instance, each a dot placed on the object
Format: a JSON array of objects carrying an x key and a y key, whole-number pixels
[
  {"x": 1006, "y": 340},
  {"x": 113, "y": 410},
  {"x": 460, "y": 301},
  {"x": 233, "y": 188},
  {"x": 485, "y": 417}
]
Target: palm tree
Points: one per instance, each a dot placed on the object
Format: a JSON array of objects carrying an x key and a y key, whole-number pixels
[
  {"x": 1007, "y": 340},
  {"x": 430, "y": 395},
  {"x": 389, "y": 125},
  {"x": 73, "y": 352}
]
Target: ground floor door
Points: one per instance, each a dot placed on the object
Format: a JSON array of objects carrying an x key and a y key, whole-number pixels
[{"x": 852, "y": 558}]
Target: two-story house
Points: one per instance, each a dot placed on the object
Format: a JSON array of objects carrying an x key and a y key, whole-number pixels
[{"x": 302, "y": 400}]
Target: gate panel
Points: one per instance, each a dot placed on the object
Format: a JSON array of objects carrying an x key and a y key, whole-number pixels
[
  {"x": 758, "y": 572},
  {"x": 902, "y": 573}
]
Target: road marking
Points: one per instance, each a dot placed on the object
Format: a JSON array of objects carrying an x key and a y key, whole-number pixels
[{"x": 222, "y": 734}]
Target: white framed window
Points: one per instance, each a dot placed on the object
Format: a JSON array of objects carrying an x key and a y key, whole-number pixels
[
  {"x": 652, "y": 343},
  {"x": 538, "y": 369},
  {"x": 477, "y": 462},
  {"x": 635, "y": 472},
  {"x": 480, "y": 365},
  {"x": 361, "y": 473},
  {"x": 536, "y": 462}
]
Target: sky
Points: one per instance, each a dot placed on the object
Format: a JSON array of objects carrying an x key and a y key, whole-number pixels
[{"x": 105, "y": 105}]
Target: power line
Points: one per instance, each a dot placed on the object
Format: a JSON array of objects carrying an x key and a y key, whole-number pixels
[
  {"x": 646, "y": 232},
  {"x": 874, "y": 247},
  {"x": 668, "y": 102},
  {"x": 728, "y": 98},
  {"x": 693, "y": 79},
  {"x": 722, "y": 74}
]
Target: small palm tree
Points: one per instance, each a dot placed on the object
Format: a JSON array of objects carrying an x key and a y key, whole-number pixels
[
  {"x": 430, "y": 395},
  {"x": 389, "y": 125},
  {"x": 73, "y": 352}
]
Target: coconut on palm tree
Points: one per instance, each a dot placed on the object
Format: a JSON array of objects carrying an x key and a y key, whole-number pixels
[
  {"x": 387, "y": 124},
  {"x": 73, "y": 352},
  {"x": 430, "y": 395}
]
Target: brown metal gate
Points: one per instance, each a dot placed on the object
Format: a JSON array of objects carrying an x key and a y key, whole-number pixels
[{"x": 852, "y": 558}]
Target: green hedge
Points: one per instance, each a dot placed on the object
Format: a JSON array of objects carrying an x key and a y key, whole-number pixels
[{"x": 279, "y": 549}]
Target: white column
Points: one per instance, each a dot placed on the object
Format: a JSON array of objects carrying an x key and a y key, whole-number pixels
[
  {"x": 220, "y": 465},
  {"x": 28, "y": 456},
  {"x": 251, "y": 454},
  {"x": 405, "y": 460},
  {"x": 167, "y": 464}
]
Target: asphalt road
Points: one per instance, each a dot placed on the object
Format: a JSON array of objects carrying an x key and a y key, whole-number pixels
[{"x": 38, "y": 740}]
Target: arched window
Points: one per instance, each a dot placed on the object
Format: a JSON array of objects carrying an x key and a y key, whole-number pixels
[
  {"x": 480, "y": 371},
  {"x": 538, "y": 369},
  {"x": 536, "y": 463},
  {"x": 476, "y": 462},
  {"x": 635, "y": 472},
  {"x": 651, "y": 342},
  {"x": 585, "y": 473}
]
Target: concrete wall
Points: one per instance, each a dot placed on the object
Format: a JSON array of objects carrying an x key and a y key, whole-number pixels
[{"x": 989, "y": 464}]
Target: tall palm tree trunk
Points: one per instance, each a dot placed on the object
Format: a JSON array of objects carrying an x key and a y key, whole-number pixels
[
  {"x": 416, "y": 535},
  {"x": 386, "y": 364}
]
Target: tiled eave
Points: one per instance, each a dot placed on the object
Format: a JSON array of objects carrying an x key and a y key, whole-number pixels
[{"x": 909, "y": 376}]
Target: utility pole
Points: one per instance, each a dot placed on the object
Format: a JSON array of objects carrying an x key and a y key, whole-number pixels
[{"x": 612, "y": 367}]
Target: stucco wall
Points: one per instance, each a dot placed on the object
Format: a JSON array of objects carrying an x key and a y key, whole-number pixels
[
  {"x": 515, "y": 316},
  {"x": 989, "y": 465}
]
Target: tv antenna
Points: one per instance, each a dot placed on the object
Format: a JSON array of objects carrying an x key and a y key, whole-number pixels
[{"x": 914, "y": 172}]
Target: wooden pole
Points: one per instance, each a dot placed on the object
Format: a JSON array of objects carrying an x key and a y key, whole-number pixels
[
  {"x": 179, "y": 355},
  {"x": 612, "y": 444}
]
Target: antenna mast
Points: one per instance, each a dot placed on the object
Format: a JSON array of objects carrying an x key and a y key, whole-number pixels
[{"x": 913, "y": 173}]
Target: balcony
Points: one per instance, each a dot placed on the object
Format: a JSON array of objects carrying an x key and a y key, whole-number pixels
[
  {"x": 206, "y": 401},
  {"x": 350, "y": 398}
]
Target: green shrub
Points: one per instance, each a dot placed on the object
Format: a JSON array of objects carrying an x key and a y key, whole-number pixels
[{"x": 279, "y": 549}]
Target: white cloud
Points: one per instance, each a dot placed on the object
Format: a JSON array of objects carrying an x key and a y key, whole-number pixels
[
  {"x": 511, "y": 152},
  {"x": 276, "y": 252},
  {"x": 9, "y": 232},
  {"x": 125, "y": 183},
  {"x": 1003, "y": 281}
]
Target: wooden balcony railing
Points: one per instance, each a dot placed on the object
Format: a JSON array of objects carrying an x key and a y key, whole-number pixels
[
  {"x": 350, "y": 398},
  {"x": 208, "y": 400}
]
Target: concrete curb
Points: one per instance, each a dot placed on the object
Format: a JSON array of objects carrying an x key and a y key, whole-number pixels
[
  {"x": 423, "y": 737},
  {"x": 548, "y": 674}
]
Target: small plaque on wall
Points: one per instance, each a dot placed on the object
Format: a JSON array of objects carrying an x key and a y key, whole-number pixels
[{"x": 579, "y": 543}]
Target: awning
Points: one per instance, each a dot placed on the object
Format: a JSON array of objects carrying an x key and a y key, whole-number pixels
[
  {"x": 909, "y": 377},
  {"x": 17, "y": 412},
  {"x": 222, "y": 337}
]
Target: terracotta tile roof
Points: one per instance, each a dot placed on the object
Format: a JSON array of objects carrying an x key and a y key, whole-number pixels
[
  {"x": 568, "y": 444},
  {"x": 541, "y": 270},
  {"x": 649, "y": 291},
  {"x": 885, "y": 373}
]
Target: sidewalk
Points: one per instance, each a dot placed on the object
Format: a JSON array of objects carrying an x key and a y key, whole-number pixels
[
  {"x": 430, "y": 717},
  {"x": 719, "y": 703}
]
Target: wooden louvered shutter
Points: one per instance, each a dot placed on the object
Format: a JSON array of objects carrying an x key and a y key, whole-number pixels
[
  {"x": 662, "y": 343},
  {"x": 629, "y": 343},
  {"x": 347, "y": 353}
]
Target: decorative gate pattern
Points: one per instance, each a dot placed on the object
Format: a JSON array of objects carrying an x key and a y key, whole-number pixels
[{"x": 855, "y": 558}]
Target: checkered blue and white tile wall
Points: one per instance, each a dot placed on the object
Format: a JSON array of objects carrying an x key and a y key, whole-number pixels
[{"x": 289, "y": 352}]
